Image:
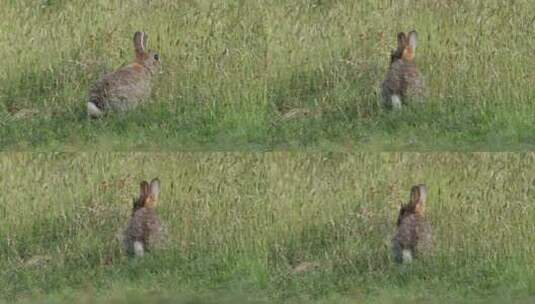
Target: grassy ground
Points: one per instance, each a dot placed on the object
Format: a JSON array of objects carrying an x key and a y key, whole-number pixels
[
  {"x": 266, "y": 228},
  {"x": 233, "y": 70}
]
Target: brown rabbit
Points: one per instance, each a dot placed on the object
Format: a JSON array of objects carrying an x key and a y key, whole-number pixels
[
  {"x": 144, "y": 230},
  {"x": 403, "y": 81},
  {"x": 414, "y": 235},
  {"x": 125, "y": 88}
]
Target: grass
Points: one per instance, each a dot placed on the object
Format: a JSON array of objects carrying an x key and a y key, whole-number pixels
[
  {"x": 241, "y": 225},
  {"x": 234, "y": 69}
]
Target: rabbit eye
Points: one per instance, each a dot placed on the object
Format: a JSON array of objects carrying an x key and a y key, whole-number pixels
[{"x": 156, "y": 57}]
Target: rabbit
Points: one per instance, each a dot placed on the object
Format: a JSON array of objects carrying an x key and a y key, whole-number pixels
[
  {"x": 414, "y": 233},
  {"x": 125, "y": 88},
  {"x": 144, "y": 231},
  {"x": 403, "y": 81}
]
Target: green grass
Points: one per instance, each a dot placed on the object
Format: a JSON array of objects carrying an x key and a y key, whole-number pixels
[
  {"x": 232, "y": 69},
  {"x": 240, "y": 224}
]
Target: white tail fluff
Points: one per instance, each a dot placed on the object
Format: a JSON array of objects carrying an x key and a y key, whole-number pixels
[
  {"x": 138, "y": 248},
  {"x": 93, "y": 111},
  {"x": 406, "y": 256},
  {"x": 396, "y": 102}
]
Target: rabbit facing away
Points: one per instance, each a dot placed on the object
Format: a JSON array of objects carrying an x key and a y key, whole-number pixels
[
  {"x": 414, "y": 234},
  {"x": 403, "y": 81},
  {"x": 127, "y": 87},
  {"x": 144, "y": 231}
]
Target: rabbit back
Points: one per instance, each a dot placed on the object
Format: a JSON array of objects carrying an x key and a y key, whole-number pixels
[
  {"x": 413, "y": 238},
  {"x": 122, "y": 90},
  {"x": 144, "y": 229},
  {"x": 403, "y": 80}
]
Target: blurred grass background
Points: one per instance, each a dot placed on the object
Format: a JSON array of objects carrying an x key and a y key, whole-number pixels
[
  {"x": 266, "y": 228},
  {"x": 236, "y": 71}
]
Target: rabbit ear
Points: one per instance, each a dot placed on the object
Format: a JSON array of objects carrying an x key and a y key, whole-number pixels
[
  {"x": 413, "y": 40},
  {"x": 143, "y": 192},
  {"x": 423, "y": 193},
  {"x": 402, "y": 40},
  {"x": 143, "y": 189},
  {"x": 418, "y": 196},
  {"x": 399, "y": 51},
  {"x": 140, "y": 43},
  {"x": 155, "y": 188}
]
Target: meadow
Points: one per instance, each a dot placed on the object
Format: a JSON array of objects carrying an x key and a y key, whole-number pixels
[
  {"x": 266, "y": 228},
  {"x": 269, "y": 75}
]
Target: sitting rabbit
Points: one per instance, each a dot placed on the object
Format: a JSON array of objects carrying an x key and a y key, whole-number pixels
[
  {"x": 414, "y": 235},
  {"x": 127, "y": 87},
  {"x": 403, "y": 81},
  {"x": 144, "y": 230}
]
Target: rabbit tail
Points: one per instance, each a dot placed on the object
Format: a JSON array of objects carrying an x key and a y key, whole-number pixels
[
  {"x": 402, "y": 255},
  {"x": 93, "y": 111},
  {"x": 138, "y": 248}
]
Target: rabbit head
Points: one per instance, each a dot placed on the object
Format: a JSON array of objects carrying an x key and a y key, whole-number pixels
[
  {"x": 148, "y": 195},
  {"x": 416, "y": 204},
  {"x": 406, "y": 47},
  {"x": 144, "y": 57}
]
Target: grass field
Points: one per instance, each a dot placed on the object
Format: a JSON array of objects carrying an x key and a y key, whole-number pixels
[
  {"x": 266, "y": 228},
  {"x": 234, "y": 70}
]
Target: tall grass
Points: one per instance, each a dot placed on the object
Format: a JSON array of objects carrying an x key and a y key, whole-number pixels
[
  {"x": 233, "y": 70},
  {"x": 285, "y": 227}
]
